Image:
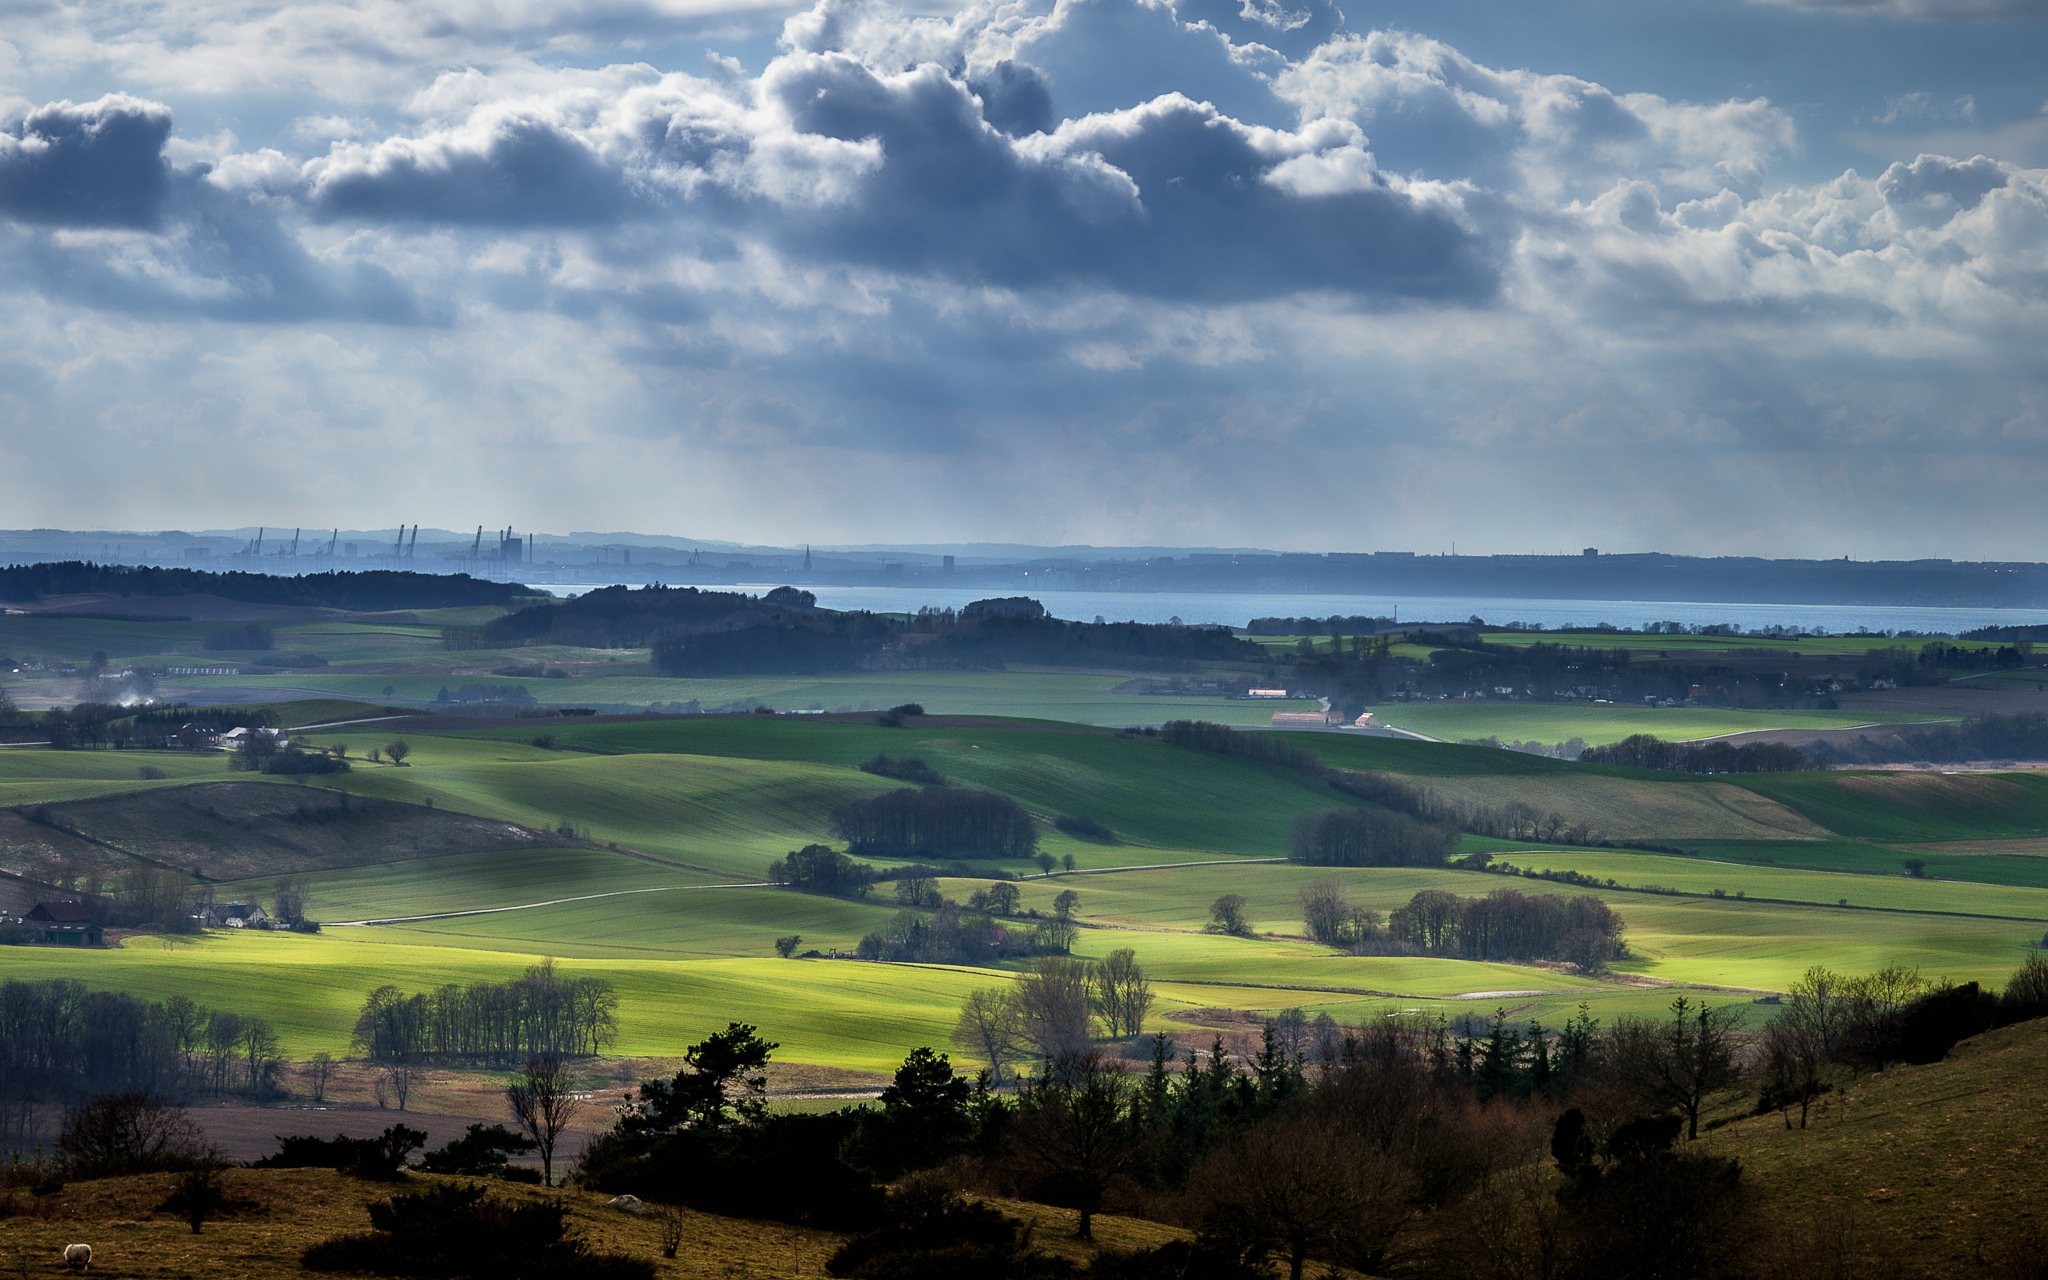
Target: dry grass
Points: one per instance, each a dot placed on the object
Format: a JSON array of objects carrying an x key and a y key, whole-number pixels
[
  {"x": 286, "y": 1210},
  {"x": 1929, "y": 1167}
]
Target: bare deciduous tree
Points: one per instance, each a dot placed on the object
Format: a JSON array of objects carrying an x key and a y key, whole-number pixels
[
  {"x": 988, "y": 1029},
  {"x": 1122, "y": 996},
  {"x": 319, "y": 1070},
  {"x": 1054, "y": 1014},
  {"x": 288, "y": 900},
  {"x": 543, "y": 1104}
]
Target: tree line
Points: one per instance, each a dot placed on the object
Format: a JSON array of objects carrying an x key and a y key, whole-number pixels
[
  {"x": 539, "y": 1013},
  {"x": 370, "y": 591},
  {"x": 2012, "y": 737},
  {"x": 943, "y": 822},
  {"x": 1646, "y": 751},
  {"x": 61, "y": 1044}
]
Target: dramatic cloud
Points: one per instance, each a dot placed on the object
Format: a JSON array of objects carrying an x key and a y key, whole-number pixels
[
  {"x": 1107, "y": 270},
  {"x": 96, "y": 165}
]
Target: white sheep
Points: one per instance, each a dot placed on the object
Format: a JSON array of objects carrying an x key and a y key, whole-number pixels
[{"x": 78, "y": 1257}]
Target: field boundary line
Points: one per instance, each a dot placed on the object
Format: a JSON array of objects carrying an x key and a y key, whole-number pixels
[
  {"x": 552, "y": 902},
  {"x": 336, "y": 724}
]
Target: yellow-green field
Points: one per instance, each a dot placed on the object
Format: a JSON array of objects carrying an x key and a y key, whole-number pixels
[
  {"x": 696, "y": 808},
  {"x": 1552, "y": 722}
]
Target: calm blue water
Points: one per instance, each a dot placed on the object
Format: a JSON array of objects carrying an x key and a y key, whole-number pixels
[{"x": 1238, "y": 609}]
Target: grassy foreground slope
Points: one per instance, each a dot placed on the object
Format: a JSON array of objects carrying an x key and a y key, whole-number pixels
[{"x": 1938, "y": 1169}]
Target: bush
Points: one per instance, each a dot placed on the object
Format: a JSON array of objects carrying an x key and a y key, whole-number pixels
[
  {"x": 786, "y": 1167},
  {"x": 1937, "y": 1021},
  {"x": 1084, "y": 828},
  {"x": 379, "y": 1159},
  {"x": 304, "y": 762},
  {"x": 482, "y": 1152},
  {"x": 453, "y": 1231},
  {"x": 115, "y": 1134},
  {"x": 911, "y": 770},
  {"x": 818, "y": 868}
]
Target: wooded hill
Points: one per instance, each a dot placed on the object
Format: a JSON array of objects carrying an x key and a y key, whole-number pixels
[
  {"x": 726, "y": 633},
  {"x": 371, "y": 591}
]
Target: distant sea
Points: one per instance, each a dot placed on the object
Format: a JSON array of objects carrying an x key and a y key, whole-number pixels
[{"x": 1231, "y": 609}]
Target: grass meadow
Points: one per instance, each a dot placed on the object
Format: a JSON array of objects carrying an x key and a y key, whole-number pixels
[
  {"x": 1599, "y": 725},
  {"x": 694, "y": 806}
]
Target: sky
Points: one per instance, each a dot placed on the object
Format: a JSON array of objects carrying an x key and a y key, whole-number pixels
[{"x": 1761, "y": 277}]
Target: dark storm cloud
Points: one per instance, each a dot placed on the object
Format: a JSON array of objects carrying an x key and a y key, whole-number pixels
[
  {"x": 95, "y": 164},
  {"x": 181, "y": 245},
  {"x": 521, "y": 173},
  {"x": 842, "y": 163}
]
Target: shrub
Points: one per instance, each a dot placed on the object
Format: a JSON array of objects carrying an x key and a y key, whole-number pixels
[
  {"x": 911, "y": 770},
  {"x": 379, "y": 1159},
  {"x": 295, "y": 761},
  {"x": 482, "y": 1151},
  {"x": 461, "y": 1230},
  {"x": 114, "y": 1134},
  {"x": 1084, "y": 828},
  {"x": 818, "y": 868}
]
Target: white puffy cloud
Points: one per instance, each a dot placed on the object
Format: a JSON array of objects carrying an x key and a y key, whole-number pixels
[{"x": 1220, "y": 294}]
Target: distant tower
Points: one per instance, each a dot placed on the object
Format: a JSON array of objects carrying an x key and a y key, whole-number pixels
[
  {"x": 946, "y": 565},
  {"x": 807, "y": 557}
]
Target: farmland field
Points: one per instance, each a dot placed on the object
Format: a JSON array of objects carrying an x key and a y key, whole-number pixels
[
  {"x": 1599, "y": 725},
  {"x": 678, "y": 818}
]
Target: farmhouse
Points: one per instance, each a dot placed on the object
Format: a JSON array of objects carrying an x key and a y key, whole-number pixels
[
  {"x": 64, "y": 924},
  {"x": 232, "y": 915},
  {"x": 233, "y": 739}
]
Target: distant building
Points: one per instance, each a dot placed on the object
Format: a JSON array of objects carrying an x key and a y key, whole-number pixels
[
  {"x": 233, "y": 739},
  {"x": 1303, "y": 719},
  {"x": 232, "y": 915},
  {"x": 1265, "y": 693},
  {"x": 64, "y": 924},
  {"x": 1367, "y": 720}
]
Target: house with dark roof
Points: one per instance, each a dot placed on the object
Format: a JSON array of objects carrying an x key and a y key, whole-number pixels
[
  {"x": 233, "y": 915},
  {"x": 64, "y": 924}
]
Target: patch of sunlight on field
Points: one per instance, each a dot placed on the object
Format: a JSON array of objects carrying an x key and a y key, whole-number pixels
[
  {"x": 1697, "y": 875},
  {"x": 1767, "y": 947},
  {"x": 1559, "y": 722},
  {"x": 845, "y": 1013},
  {"x": 1085, "y": 697},
  {"x": 468, "y": 882}
]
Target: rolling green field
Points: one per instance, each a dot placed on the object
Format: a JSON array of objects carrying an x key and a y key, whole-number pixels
[
  {"x": 1599, "y": 725},
  {"x": 696, "y": 807}
]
